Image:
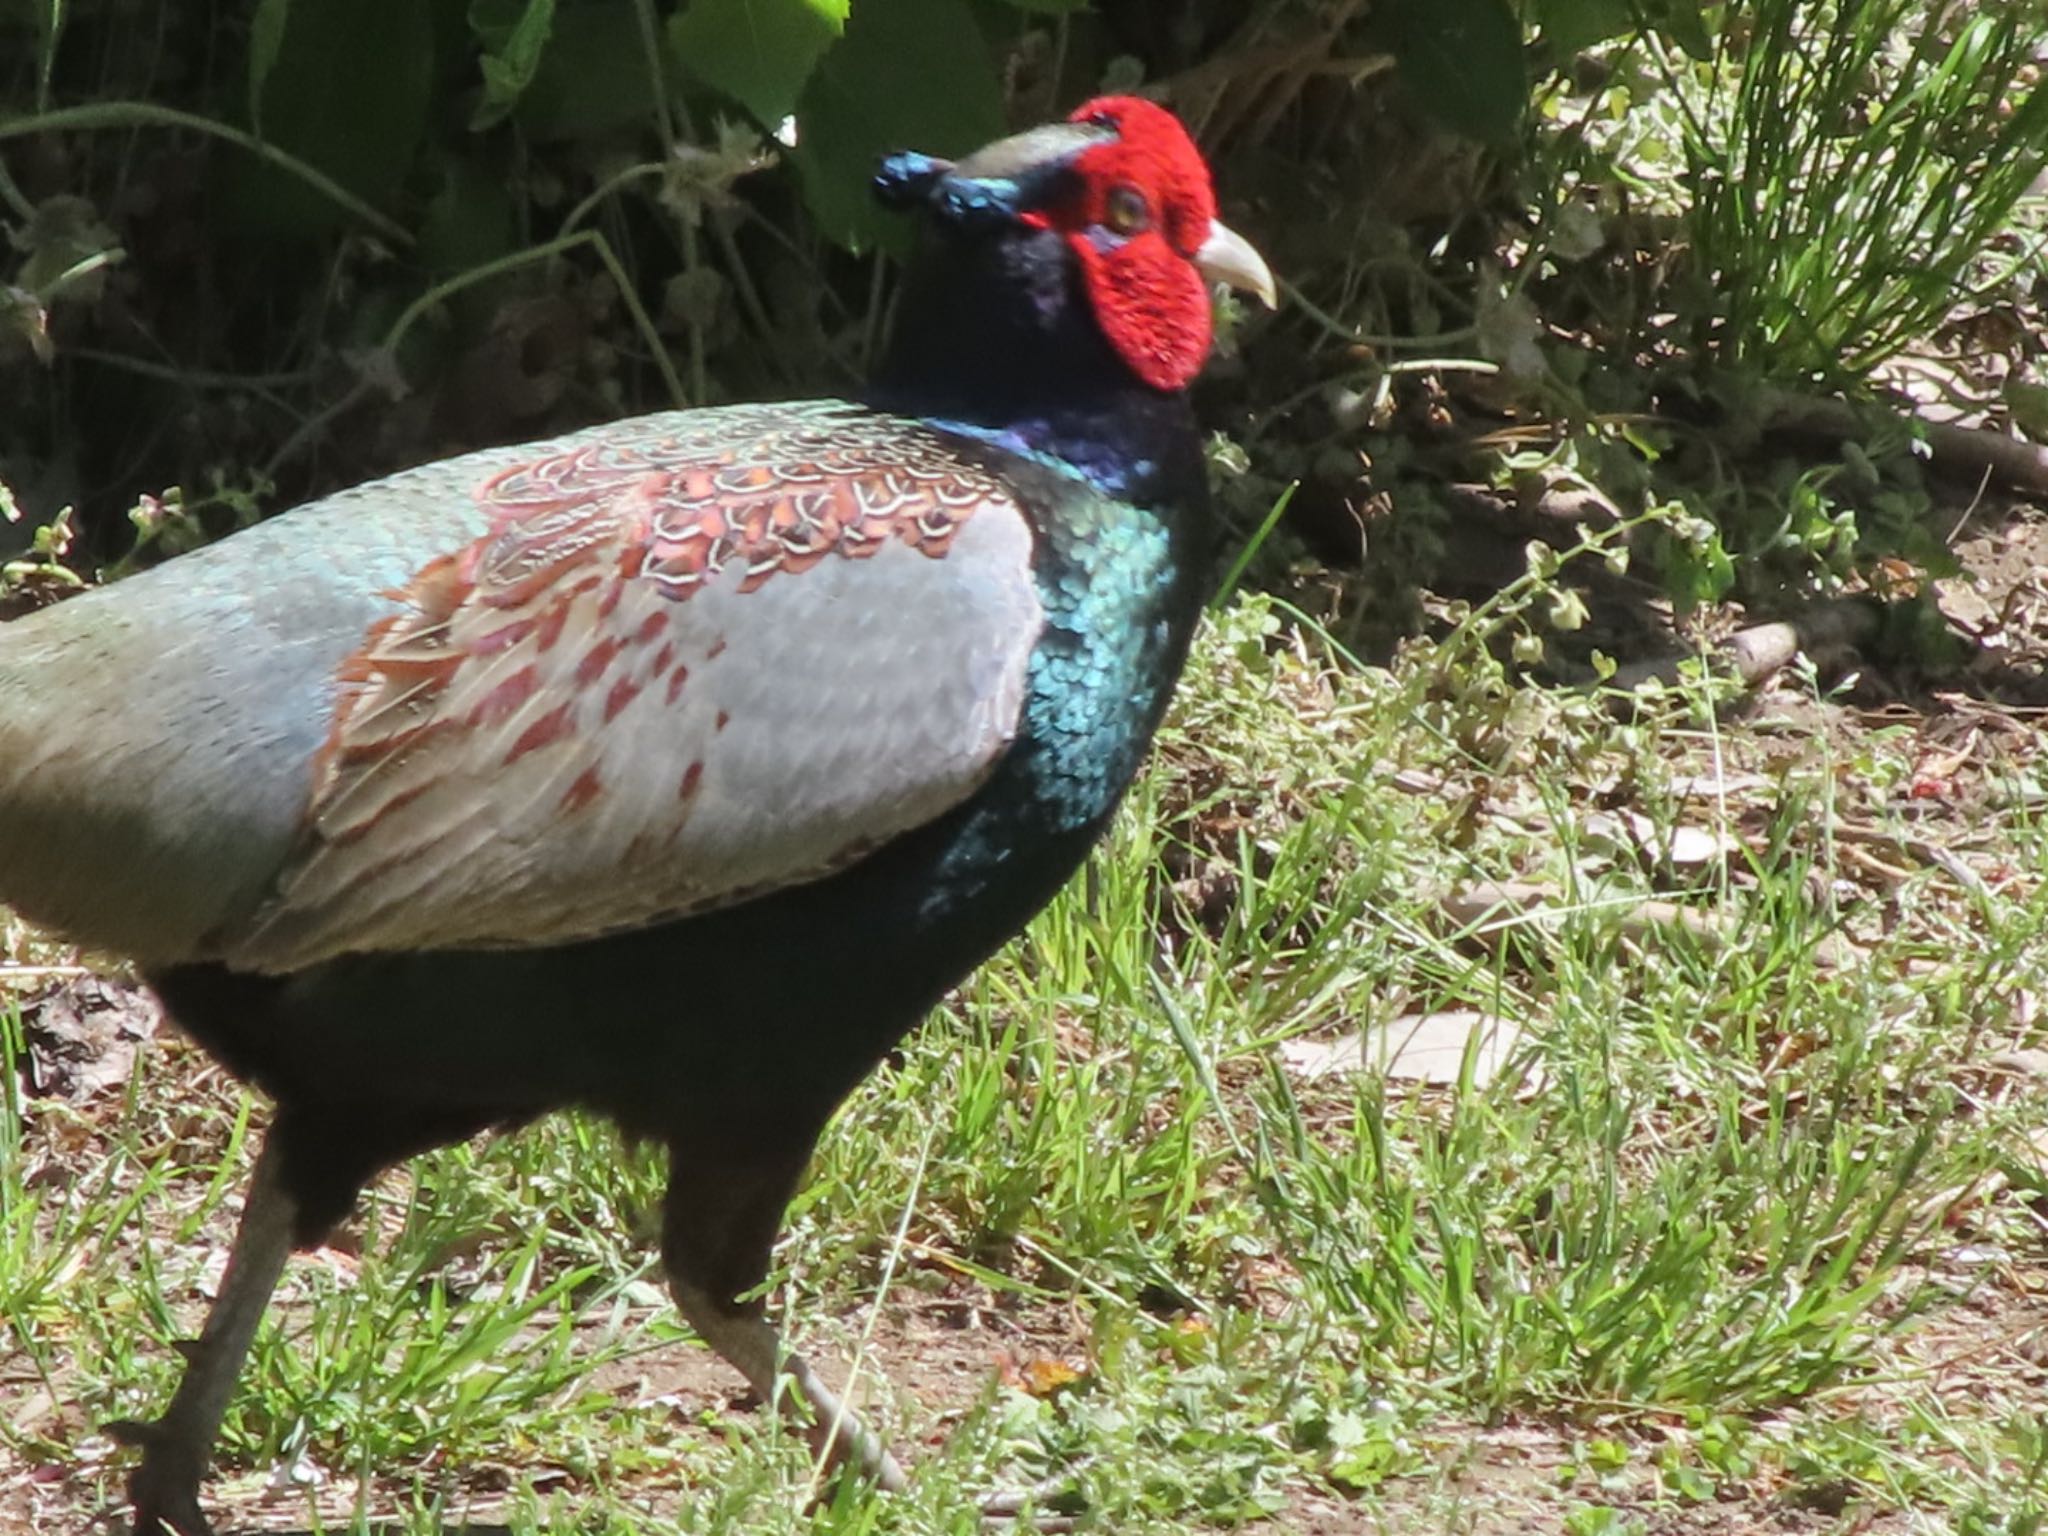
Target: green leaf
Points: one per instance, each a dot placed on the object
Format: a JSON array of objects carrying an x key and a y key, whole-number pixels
[
  {"x": 2028, "y": 404},
  {"x": 1572, "y": 26},
  {"x": 1461, "y": 61},
  {"x": 469, "y": 221},
  {"x": 515, "y": 36},
  {"x": 1698, "y": 571},
  {"x": 593, "y": 78},
  {"x": 759, "y": 52},
  {"x": 909, "y": 74},
  {"x": 346, "y": 90},
  {"x": 266, "y": 37}
]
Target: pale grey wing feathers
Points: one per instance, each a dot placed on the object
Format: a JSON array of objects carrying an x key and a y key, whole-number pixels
[
  {"x": 603, "y": 717},
  {"x": 155, "y": 736},
  {"x": 175, "y": 777}
]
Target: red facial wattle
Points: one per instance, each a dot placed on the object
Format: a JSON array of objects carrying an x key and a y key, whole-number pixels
[{"x": 1141, "y": 208}]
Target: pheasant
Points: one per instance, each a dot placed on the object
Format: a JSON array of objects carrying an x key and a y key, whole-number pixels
[{"x": 672, "y": 769}]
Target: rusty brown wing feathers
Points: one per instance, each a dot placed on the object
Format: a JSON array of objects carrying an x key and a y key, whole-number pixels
[{"x": 683, "y": 666}]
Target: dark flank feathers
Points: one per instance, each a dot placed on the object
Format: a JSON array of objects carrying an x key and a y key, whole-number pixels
[{"x": 672, "y": 770}]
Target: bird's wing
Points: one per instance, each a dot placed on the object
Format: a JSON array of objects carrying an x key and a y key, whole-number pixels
[{"x": 729, "y": 651}]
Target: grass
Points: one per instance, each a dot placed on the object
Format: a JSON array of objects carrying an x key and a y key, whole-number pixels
[
  {"x": 1926, "y": 125},
  {"x": 1748, "y": 1227}
]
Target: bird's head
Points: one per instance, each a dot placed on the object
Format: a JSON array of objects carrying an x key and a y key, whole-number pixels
[{"x": 1122, "y": 198}]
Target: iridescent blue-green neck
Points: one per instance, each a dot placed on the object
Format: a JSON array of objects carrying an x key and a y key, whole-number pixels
[
  {"x": 995, "y": 342},
  {"x": 994, "y": 336},
  {"x": 1121, "y": 586}
]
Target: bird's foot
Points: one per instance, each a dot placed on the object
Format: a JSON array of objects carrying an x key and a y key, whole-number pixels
[
  {"x": 1054, "y": 1504},
  {"x": 845, "y": 1444},
  {"x": 1000, "y": 1509},
  {"x": 164, "y": 1488}
]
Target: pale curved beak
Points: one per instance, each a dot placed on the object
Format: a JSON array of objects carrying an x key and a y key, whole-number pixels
[{"x": 1227, "y": 257}]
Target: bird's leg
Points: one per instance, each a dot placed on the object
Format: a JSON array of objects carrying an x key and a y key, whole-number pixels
[
  {"x": 177, "y": 1447},
  {"x": 745, "y": 1337},
  {"x": 718, "y": 1229}
]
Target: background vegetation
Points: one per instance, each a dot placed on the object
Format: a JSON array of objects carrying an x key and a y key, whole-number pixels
[
  {"x": 261, "y": 250},
  {"x": 1463, "y": 1093}
]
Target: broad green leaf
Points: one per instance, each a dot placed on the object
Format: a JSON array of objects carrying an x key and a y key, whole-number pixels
[
  {"x": 346, "y": 89},
  {"x": 2028, "y": 404},
  {"x": 1461, "y": 61},
  {"x": 909, "y": 74},
  {"x": 759, "y": 52},
  {"x": 515, "y": 37},
  {"x": 592, "y": 79},
  {"x": 266, "y": 36},
  {"x": 1697, "y": 566},
  {"x": 1571, "y": 26},
  {"x": 469, "y": 221}
]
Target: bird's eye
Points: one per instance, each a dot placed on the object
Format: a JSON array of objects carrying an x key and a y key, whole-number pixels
[{"x": 1126, "y": 211}]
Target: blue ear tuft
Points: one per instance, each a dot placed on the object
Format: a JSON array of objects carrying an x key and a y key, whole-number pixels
[
  {"x": 906, "y": 178},
  {"x": 979, "y": 200}
]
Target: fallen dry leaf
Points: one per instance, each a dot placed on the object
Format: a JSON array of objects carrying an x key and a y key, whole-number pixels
[
  {"x": 1416, "y": 1047},
  {"x": 82, "y": 1036},
  {"x": 1039, "y": 1376}
]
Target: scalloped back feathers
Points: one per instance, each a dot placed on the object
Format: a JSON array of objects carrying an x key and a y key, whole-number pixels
[{"x": 639, "y": 672}]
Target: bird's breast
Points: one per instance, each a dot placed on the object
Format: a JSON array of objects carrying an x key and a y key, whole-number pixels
[{"x": 1105, "y": 661}]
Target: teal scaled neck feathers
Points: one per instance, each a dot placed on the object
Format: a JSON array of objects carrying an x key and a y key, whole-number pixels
[{"x": 997, "y": 346}]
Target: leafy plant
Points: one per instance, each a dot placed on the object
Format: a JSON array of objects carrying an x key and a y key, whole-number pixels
[{"x": 1850, "y": 166}]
